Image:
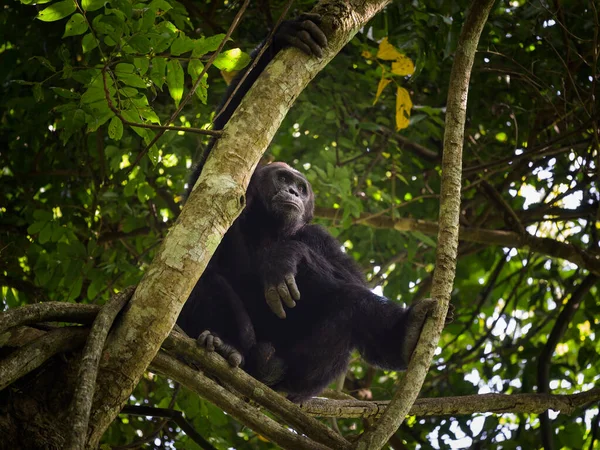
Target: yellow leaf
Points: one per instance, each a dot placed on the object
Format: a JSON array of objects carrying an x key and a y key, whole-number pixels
[
  {"x": 229, "y": 76},
  {"x": 388, "y": 52},
  {"x": 382, "y": 84},
  {"x": 403, "y": 107},
  {"x": 367, "y": 54},
  {"x": 403, "y": 66}
]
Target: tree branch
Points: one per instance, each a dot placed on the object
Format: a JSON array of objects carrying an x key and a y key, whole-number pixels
[
  {"x": 544, "y": 361},
  {"x": 510, "y": 239},
  {"x": 447, "y": 248},
  {"x": 218, "y": 395},
  {"x": 175, "y": 416},
  {"x": 248, "y": 386},
  {"x": 456, "y": 406},
  {"x": 47, "y": 312},
  {"x": 81, "y": 403},
  {"x": 35, "y": 353}
]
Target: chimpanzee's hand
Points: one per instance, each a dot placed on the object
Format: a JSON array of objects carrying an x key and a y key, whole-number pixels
[
  {"x": 282, "y": 292},
  {"x": 303, "y": 33},
  {"x": 417, "y": 314}
]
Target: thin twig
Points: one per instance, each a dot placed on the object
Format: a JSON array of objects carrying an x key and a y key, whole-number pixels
[{"x": 168, "y": 414}]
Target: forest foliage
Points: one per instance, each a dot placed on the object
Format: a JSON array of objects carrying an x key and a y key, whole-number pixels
[{"x": 87, "y": 194}]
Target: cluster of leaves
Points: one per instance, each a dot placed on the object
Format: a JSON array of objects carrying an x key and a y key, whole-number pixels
[
  {"x": 402, "y": 66},
  {"x": 140, "y": 48},
  {"x": 78, "y": 220}
]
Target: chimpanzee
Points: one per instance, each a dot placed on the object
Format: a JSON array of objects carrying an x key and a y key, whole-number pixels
[{"x": 273, "y": 256}]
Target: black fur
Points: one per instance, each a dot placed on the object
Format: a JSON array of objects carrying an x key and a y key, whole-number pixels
[
  {"x": 281, "y": 296},
  {"x": 303, "y": 352}
]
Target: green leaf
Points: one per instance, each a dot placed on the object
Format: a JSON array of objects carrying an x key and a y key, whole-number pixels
[
  {"x": 45, "y": 233},
  {"x": 95, "y": 287},
  {"x": 145, "y": 192},
  {"x": 89, "y": 43},
  {"x": 38, "y": 94},
  {"x": 125, "y": 7},
  {"x": 204, "y": 45},
  {"x": 131, "y": 79},
  {"x": 98, "y": 113},
  {"x": 141, "y": 64},
  {"x": 425, "y": 238},
  {"x": 75, "y": 26},
  {"x": 182, "y": 44},
  {"x": 128, "y": 91},
  {"x": 65, "y": 92},
  {"x": 57, "y": 233},
  {"x": 124, "y": 68},
  {"x": 157, "y": 73},
  {"x": 36, "y": 227},
  {"x": 92, "y": 5},
  {"x": 140, "y": 44},
  {"x": 133, "y": 116},
  {"x": 231, "y": 60},
  {"x": 95, "y": 91},
  {"x": 75, "y": 289},
  {"x": 115, "y": 128},
  {"x": 160, "y": 4},
  {"x": 147, "y": 21},
  {"x": 175, "y": 80},
  {"x": 153, "y": 154},
  {"x": 44, "y": 62},
  {"x": 57, "y": 11},
  {"x": 195, "y": 68},
  {"x": 163, "y": 36}
]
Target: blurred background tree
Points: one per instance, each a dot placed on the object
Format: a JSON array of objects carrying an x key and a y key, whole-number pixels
[{"x": 86, "y": 199}]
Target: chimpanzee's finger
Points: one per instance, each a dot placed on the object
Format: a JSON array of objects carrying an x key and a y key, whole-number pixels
[
  {"x": 295, "y": 42},
  {"x": 235, "y": 359},
  {"x": 315, "y": 32},
  {"x": 305, "y": 37},
  {"x": 292, "y": 286},
  {"x": 274, "y": 302},
  {"x": 285, "y": 296},
  {"x": 210, "y": 344},
  {"x": 202, "y": 337}
]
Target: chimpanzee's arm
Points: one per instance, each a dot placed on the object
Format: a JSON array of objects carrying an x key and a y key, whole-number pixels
[
  {"x": 385, "y": 333},
  {"x": 341, "y": 265},
  {"x": 303, "y": 33},
  {"x": 278, "y": 266}
]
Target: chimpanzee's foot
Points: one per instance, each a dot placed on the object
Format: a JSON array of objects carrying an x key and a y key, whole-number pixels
[{"x": 214, "y": 343}]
